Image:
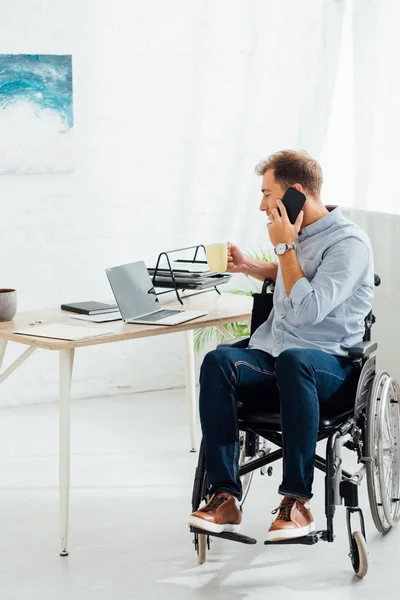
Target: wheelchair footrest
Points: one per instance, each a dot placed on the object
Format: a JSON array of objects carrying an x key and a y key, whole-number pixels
[
  {"x": 226, "y": 535},
  {"x": 307, "y": 540}
]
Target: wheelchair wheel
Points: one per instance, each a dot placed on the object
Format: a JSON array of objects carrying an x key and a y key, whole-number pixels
[
  {"x": 389, "y": 450},
  {"x": 382, "y": 446},
  {"x": 359, "y": 554}
]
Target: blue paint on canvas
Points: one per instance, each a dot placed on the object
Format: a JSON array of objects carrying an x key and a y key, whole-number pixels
[{"x": 43, "y": 80}]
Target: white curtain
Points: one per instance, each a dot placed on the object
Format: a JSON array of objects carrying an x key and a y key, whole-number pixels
[{"x": 361, "y": 155}]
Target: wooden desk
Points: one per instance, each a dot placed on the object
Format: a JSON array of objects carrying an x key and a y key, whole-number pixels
[{"x": 224, "y": 308}]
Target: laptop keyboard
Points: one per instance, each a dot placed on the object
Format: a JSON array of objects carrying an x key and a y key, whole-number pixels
[{"x": 161, "y": 314}]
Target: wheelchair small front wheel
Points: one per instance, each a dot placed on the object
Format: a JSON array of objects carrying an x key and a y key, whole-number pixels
[{"x": 359, "y": 554}]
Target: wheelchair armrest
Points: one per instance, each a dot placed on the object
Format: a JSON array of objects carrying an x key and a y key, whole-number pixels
[
  {"x": 235, "y": 343},
  {"x": 362, "y": 349}
]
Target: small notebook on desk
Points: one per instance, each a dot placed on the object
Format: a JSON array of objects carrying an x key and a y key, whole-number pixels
[
  {"x": 103, "y": 318},
  {"x": 58, "y": 331},
  {"x": 90, "y": 308}
]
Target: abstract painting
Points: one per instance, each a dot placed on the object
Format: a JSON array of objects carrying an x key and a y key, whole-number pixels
[{"x": 36, "y": 116}]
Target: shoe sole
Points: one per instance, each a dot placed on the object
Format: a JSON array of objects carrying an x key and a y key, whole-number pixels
[
  {"x": 212, "y": 527},
  {"x": 289, "y": 534}
]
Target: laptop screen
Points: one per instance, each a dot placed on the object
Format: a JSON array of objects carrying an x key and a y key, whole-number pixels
[{"x": 133, "y": 290}]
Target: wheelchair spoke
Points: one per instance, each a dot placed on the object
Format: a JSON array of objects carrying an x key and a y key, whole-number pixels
[
  {"x": 389, "y": 491},
  {"x": 386, "y": 440},
  {"x": 387, "y": 480},
  {"x": 390, "y": 424},
  {"x": 392, "y": 415},
  {"x": 388, "y": 428}
]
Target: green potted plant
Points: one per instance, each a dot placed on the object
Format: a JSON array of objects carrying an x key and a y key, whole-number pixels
[{"x": 239, "y": 329}]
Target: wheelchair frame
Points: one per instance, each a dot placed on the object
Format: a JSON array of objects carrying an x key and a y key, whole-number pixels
[{"x": 359, "y": 430}]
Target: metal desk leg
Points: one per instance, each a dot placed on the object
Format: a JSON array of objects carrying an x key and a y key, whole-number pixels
[
  {"x": 65, "y": 375},
  {"x": 191, "y": 388}
]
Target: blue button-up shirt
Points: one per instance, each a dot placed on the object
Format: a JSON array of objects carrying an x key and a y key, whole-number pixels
[{"x": 326, "y": 308}]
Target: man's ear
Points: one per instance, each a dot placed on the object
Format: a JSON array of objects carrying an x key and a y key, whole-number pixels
[{"x": 298, "y": 187}]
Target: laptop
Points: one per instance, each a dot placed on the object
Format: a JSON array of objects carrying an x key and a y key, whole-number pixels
[{"x": 137, "y": 301}]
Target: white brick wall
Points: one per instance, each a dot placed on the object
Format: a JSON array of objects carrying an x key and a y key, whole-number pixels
[
  {"x": 174, "y": 103},
  {"x": 383, "y": 231}
]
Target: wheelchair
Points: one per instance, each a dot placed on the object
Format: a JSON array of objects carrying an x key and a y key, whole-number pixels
[{"x": 371, "y": 428}]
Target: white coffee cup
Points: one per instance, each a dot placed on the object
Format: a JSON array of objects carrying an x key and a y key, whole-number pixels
[
  {"x": 217, "y": 257},
  {"x": 8, "y": 304}
]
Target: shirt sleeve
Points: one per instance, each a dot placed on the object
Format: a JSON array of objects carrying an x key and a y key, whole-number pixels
[{"x": 341, "y": 272}]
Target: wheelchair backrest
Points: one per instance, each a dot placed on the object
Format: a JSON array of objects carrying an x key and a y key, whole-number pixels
[{"x": 262, "y": 305}]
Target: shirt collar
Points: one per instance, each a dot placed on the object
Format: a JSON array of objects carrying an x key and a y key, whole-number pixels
[{"x": 320, "y": 225}]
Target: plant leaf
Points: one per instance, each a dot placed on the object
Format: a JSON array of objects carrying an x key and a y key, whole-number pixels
[{"x": 241, "y": 292}]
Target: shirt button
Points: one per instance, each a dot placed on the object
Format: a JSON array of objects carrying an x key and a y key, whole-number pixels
[
  {"x": 281, "y": 314},
  {"x": 278, "y": 341}
]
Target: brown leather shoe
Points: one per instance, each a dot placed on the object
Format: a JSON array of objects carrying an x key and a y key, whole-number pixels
[
  {"x": 294, "y": 520},
  {"x": 220, "y": 514}
]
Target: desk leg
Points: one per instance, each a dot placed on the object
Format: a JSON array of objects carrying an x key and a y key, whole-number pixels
[
  {"x": 191, "y": 388},
  {"x": 3, "y": 346},
  {"x": 65, "y": 375},
  {"x": 227, "y": 334}
]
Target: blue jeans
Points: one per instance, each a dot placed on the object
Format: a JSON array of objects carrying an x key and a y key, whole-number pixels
[{"x": 299, "y": 380}]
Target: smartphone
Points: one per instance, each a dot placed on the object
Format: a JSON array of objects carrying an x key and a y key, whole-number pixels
[{"x": 293, "y": 201}]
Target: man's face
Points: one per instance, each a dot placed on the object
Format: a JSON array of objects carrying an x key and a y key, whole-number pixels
[{"x": 271, "y": 192}]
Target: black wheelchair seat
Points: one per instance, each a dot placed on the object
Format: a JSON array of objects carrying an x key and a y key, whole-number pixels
[{"x": 253, "y": 418}]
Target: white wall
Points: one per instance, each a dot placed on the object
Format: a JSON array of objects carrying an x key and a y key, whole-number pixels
[
  {"x": 361, "y": 153},
  {"x": 384, "y": 233},
  {"x": 174, "y": 102}
]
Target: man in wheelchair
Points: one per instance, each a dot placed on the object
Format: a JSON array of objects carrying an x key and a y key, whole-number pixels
[{"x": 297, "y": 359}]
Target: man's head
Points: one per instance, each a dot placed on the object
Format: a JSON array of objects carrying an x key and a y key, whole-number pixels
[{"x": 290, "y": 168}]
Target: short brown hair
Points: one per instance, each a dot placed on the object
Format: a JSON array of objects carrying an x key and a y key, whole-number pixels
[{"x": 293, "y": 166}]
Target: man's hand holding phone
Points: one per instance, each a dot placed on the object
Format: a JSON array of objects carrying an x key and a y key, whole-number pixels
[{"x": 280, "y": 229}]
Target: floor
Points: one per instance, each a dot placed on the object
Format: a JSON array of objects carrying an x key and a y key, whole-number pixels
[{"x": 131, "y": 485}]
